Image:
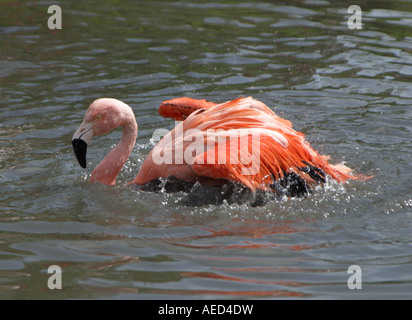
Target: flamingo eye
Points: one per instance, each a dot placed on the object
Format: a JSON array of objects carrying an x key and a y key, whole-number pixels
[{"x": 99, "y": 116}]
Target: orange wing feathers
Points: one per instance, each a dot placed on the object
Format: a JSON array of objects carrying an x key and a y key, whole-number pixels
[
  {"x": 280, "y": 151},
  {"x": 243, "y": 141}
]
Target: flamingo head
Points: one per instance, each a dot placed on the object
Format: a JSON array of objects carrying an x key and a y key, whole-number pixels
[{"x": 102, "y": 116}]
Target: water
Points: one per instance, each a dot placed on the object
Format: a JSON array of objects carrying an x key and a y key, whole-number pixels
[{"x": 349, "y": 91}]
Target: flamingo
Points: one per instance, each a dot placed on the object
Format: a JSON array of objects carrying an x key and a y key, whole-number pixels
[{"x": 200, "y": 148}]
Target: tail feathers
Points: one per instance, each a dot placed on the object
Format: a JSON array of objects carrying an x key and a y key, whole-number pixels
[
  {"x": 341, "y": 173},
  {"x": 342, "y": 168}
]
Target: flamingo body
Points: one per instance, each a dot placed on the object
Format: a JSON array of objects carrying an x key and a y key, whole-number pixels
[
  {"x": 241, "y": 141},
  {"x": 282, "y": 152}
]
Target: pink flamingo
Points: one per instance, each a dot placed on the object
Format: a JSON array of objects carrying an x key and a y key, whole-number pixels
[{"x": 285, "y": 163}]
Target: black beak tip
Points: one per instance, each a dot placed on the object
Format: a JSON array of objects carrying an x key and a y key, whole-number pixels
[{"x": 80, "y": 149}]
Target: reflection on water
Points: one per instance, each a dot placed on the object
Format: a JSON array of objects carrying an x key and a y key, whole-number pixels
[{"x": 349, "y": 91}]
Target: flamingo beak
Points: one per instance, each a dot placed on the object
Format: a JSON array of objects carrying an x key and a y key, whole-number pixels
[{"x": 80, "y": 139}]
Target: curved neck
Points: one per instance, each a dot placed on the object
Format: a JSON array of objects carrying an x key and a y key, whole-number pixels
[{"x": 108, "y": 169}]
